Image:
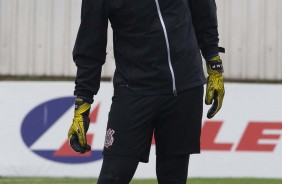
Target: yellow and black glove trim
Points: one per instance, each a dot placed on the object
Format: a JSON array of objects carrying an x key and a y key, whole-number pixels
[
  {"x": 79, "y": 127},
  {"x": 215, "y": 85},
  {"x": 81, "y": 107}
]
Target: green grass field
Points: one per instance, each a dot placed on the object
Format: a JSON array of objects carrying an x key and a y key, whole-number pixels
[{"x": 92, "y": 181}]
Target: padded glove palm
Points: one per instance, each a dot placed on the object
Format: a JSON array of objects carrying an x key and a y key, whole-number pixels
[
  {"x": 79, "y": 127},
  {"x": 215, "y": 86}
]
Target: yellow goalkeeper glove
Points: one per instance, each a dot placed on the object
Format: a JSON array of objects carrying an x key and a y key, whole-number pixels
[
  {"x": 79, "y": 127},
  {"x": 215, "y": 86}
]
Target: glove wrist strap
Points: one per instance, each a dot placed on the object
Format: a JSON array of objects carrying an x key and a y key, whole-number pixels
[
  {"x": 81, "y": 107},
  {"x": 214, "y": 65}
]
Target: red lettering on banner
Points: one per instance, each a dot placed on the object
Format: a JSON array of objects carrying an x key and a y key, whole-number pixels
[
  {"x": 254, "y": 133},
  {"x": 209, "y": 132},
  {"x": 94, "y": 114},
  {"x": 153, "y": 140}
]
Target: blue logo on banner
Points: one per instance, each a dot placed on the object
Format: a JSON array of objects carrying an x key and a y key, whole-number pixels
[{"x": 44, "y": 116}]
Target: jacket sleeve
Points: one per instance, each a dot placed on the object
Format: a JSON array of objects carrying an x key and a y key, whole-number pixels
[
  {"x": 89, "y": 52},
  {"x": 204, "y": 19}
]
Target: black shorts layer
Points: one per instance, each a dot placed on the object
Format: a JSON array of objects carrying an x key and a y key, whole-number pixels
[{"x": 174, "y": 120}]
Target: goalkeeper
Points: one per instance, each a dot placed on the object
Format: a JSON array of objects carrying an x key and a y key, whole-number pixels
[{"x": 158, "y": 82}]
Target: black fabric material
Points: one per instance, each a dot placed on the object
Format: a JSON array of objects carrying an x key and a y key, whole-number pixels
[
  {"x": 205, "y": 24},
  {"x": 221, "y": 49},
  {"x": 140, "y": 47},
  {"x": 117, "y": 169},
  {"x": 178, "y": 128},
  {"x": 175, "y": 121},
  {"x": 172, "y": 169}
]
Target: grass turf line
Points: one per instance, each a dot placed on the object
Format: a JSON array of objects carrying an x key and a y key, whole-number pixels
[{"x": 92, "y": 181}]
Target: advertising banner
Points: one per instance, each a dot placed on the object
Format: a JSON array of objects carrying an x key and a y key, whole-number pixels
[{"x": 242, "y": 140}]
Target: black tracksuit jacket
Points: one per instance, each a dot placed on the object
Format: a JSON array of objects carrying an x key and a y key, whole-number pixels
[{"x": 157, "y": 45}]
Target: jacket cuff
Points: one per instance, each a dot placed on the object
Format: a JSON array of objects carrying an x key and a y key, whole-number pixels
[
  {"x": 208, "y": 52},
  {"x": 85, "y": 95},
  {"x": 212, "y": 51}
]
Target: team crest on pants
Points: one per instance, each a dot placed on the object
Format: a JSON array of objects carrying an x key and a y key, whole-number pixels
[{"x": 109, "y": 138}]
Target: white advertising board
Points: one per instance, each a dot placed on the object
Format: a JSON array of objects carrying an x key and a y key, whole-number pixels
[{"x": 243, "y": 140}]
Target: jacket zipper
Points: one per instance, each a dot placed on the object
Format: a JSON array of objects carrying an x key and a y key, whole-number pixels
[{"x": 168, "y": 47}]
